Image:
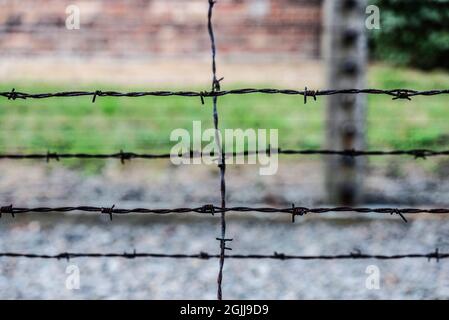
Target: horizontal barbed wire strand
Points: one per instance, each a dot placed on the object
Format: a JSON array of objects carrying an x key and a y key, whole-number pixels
[
  {"x": 395, "y": 93},
  {"x": 125, "y": 156},
  {"x": 205, "y": 256},
  {"x": 210, "y": 209}
]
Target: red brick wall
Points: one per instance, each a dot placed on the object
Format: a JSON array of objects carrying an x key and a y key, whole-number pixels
[{"x": 142, "y": 28}]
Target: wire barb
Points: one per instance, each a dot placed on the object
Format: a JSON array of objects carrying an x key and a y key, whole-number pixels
[
  {"x": 356, "y": 254},
  {"x": 51, "y": 155},
  {"x": 96, "y": 93},
  {"x": 298, "y": 211},
  {"x": 223, "y": 243},
  {"x": 402, "y": 94},
  {"x": 399, "y": 213},
  {"x": 124, "y": 156},
  {"x": 108, "y": 211},
  {"x": 12, "y": 95},
  {"x": 311, "y": 93},
  {"x": 208, "y": 209},
  {"x": 435, "y": 255},
  {"x": 7, "y": 209}
]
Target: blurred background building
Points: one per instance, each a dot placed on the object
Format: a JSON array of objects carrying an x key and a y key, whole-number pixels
[{"x": 252, "y": 29}]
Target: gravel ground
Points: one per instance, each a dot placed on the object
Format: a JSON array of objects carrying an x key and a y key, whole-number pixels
[{"x": 161, "y": 185}]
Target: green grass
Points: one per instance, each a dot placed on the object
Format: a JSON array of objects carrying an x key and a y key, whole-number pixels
[
  {"x": 145, "y": 124},
  {"x": 420, "y": 123}
]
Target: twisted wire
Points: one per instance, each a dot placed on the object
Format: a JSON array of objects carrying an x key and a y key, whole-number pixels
[
  {"x": 210, "y": 209},
  {"x": 127, "y": 156},
  {"x": 222, "y": 165},
  {"x": 396, "y": 94},
  {"x": 205, "y": 256}
]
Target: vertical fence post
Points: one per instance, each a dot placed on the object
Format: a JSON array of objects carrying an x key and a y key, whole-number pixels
[{"x": 345, "y": 55}]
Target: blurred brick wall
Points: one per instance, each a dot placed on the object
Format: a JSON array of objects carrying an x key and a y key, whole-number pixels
[{"x": 161, "y": 28}]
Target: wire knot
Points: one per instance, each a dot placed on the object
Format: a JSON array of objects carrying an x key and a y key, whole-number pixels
[
  {"x": 350, "y": 153},
  {"x": 7, "y": 209},
  {"x": 311, "y": 93},
  {"x": 435, "y": 255},
  {"x": 356, "y": 253},
  {"x": 222, "y": 164},
  {"x": 402, "y": 94},
  {"x": 130, "y": 255},
  {"x": 124, "y": 156},
  {"x": 223, "y": 243},
  {"x": 297, "y": 211},
  {"x": 64, "y": 255},
  {"x": 208, "y": 208},
  {"x": 96, "y": 93},
  {"x": 52, "y": 155},
  {"x": 108, "y": 211},
  {"x": 216, "y": 84},
  {"x": 204, "y": 255},
  {"x": 280, "y": 256},
  {"x": 202, "y": 95},
  {"x": 420, "y": 154},
  {"x": 399, "y": 213},
  {"x": 12, "y": 95}
]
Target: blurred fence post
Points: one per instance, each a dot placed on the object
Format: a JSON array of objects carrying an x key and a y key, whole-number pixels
[{"x": 345, "y": 53}]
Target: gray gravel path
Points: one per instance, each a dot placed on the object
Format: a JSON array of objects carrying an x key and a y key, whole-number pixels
[
  {"x": 248, "y": 279},
  {"x": 140, "y": 185}
]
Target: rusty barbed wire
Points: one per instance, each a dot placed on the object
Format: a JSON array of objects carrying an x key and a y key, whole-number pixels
[
  {"x": 357, "y": 255},
  {"x": 396, "y": 94},
  {"x": 128, "y": 156},
  {"x": 210, "y": 209}
]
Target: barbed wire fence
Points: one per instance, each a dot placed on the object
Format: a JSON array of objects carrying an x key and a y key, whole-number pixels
[
  {"x": 205, "y": 256},
  {"x": 210, "y": 209},
  {"x": 397, "y": 94},
  {"x": 128, "y": 156}
]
